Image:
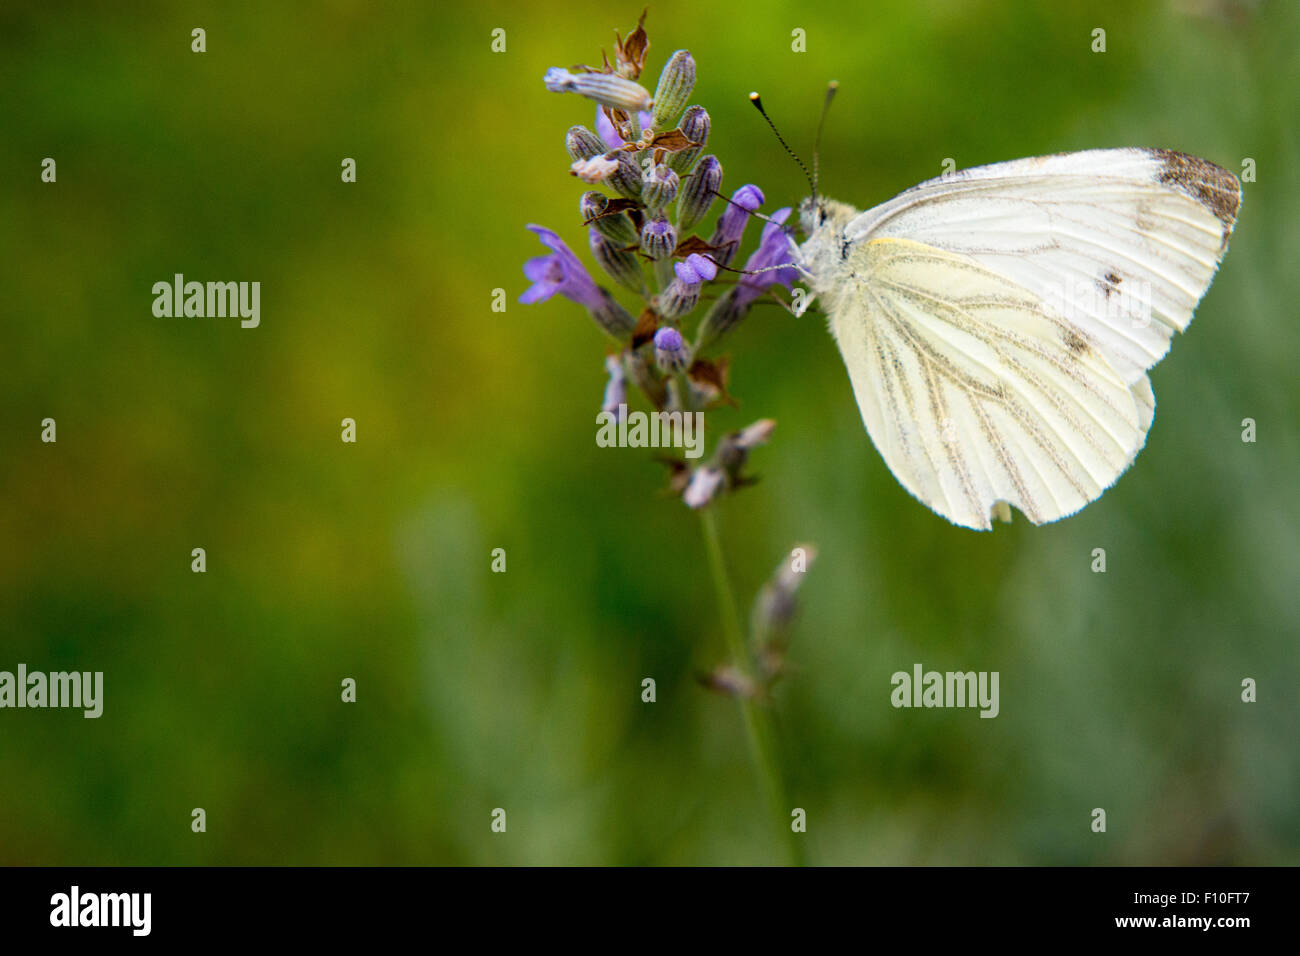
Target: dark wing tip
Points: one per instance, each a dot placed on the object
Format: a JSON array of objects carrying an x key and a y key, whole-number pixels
[{"x": 1214, "y": 187}]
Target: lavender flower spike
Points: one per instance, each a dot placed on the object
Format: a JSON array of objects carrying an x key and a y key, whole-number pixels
[
  {"x": 564, "y": 273},
  {"x": 731, "y": 224},
  {"x": 608, "y": 89}
]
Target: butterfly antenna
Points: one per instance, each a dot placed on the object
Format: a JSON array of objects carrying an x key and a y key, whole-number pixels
[
  {"x": 817, "y": 144},
  {"x": 758, "y": 105}
]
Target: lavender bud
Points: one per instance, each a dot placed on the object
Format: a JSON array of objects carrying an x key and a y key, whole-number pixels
[
  {"x": 671, "y": 352},
  {"x": 674, "y": 89},
  {"x": 617, "y": 227},
  {"x": 734, "y": 449},
  {"x": 683, "y": 293},
  {"x": 658, "y": 238},
  {"x": 775, "y": 605},
  {"x": 660, "y": 187},
  {"x": 616, "y": 260},
  {"x": 697, "y": 191},
  {"x": 582, "y": 143},
  {"x": 626, "y": 180},
  {"x": 704, "y": 485},
  {"x": 615, "y": 400},
  {"x": 678, "y": 299},
  {"x": 695, "y": 127},
  {"x": 751, "y": 436},
  {"x": 608, "y": 89},
  {"x": 595, "y": 170}
]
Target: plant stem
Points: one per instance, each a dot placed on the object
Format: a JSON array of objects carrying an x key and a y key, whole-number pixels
[{"x": 758, "y": 727}]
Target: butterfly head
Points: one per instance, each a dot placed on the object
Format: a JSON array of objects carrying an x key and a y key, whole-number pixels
[{"x": 818, "y": 213}]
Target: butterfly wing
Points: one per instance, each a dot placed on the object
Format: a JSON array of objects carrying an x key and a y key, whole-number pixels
[
  {"x": 994, "y": 350},
  {"x": 1124, "y": 241}
]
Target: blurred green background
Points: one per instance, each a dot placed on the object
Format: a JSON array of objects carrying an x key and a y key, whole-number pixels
[{"x": 476, "y": 431}]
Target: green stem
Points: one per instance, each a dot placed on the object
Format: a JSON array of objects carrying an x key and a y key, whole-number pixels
[{"x": 758, "y": 727}]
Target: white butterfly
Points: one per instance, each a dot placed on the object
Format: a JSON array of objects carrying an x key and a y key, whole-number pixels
[{"x": 998, "y": 322}]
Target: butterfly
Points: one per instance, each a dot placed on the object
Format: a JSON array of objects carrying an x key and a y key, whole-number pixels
[{"x": 998, "y": 322}]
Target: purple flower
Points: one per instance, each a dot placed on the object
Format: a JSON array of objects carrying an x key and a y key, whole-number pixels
[
  {"x": 773, "y": 250},
  {"x": 695, "y": 269},
  {"x": 560, "y": 272},
  {"x": 731, "y": 224},
  {"x": 606, "y": 130}
]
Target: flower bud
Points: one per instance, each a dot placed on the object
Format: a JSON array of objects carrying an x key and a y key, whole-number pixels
[
  {"x": 658, "y": 238},
  {"x": 695, "y": 127},
  {"x": 683, "y": 293},
  {"x": 678, "y": 299},
  {"x": 775, "y": 604},
  {"x": 704, "y": 485},
  {"x": 674, "y": 89},
  {"x": 774, "y": 610},
  {"x": 734, "y": 449},
  {"x": 582, "y": 143},
  {"x": 615, "y": 401},
  {"x": 626, "y": 180},
  {"x": 659, "y": 187},
  {"x": 621, "y": 264},
  {"x": 595, "y": 170},
  {"x": 608, "y": 89},
  {"x": 695, "y": 196},
  {"x": 671, "y": 352},
  {"x": 617, "y": 227}
]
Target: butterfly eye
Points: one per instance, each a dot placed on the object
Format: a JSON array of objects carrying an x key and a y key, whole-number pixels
[{"x": 821, "y": 215}]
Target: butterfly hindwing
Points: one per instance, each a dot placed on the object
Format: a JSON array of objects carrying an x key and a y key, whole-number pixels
[{"x": 973, "y": 392}]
